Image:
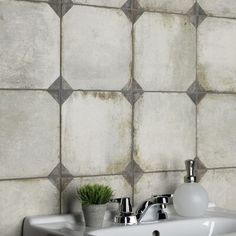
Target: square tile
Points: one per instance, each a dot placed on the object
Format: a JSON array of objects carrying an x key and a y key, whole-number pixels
[
  {"x": 164, "y": 131},
  {"x": 29, "y": 137},
  {"x": 96, "y": 48},
  {"x": 216, "y": 58},
  {"x": 220, "y": 185},
  {"x": 29, "y": 45},
  {"x": 158, "y": 63},
  {"x": 176, "y": 6},
  {"x": 23, "y": 198},
  {"x": 224, "y": 8},
  {"x": 96, "y": 133},
  {"x": 217, "y": 130},
  {"x": 157, "y": 183},
  {"x": 70, "y": 202},
  {"x": 105, "y": 3}
]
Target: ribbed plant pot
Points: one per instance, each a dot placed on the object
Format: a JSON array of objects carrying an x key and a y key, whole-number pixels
[{"x": 94, "y": 214}]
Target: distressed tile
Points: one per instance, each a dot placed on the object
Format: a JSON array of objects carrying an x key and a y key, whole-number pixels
[
  {"x": 25, "y": 198},
  {"x": 97, "y": 49},
  {"x": 220, "y": 185},
  {"x": 156, "y": 183},
  {"x": 177, "y": 6},
  {"x": 70, "y": 202},
  {"x": 29, "y": 45},
  {"x": 224, "y": 8},
  {"x": 96, "y": 129},
  {"x": 217, "y": 130},
  {"x": 196, "y": 92},
  {"x": 29, "y": 138},
  {"x": 164, "y": 131},
  {"x": 216, "y": 58},
  {"x": 200, "y": 169},
  {"x": 159, "y": 64},
  {"x": 105, "y": 3}
]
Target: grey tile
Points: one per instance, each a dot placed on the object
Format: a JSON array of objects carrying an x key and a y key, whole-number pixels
[
  {"x": 217, "y": 130},
  {"x": 29, "y": 139},
  {"x": 158, "y": 64},
  {"x": 155, "y": 184},
  {"x": 220, "y": 187},
  {"x": 222, "y": 8},
  {"x": 177, "y": 6},
  {"x": 96, "y": 129},
  {"x": 97, "y": 48},
  {"x": 164, "y": 135},
  {"x": 70, "y": 202},
  {"x": 105, "y": 3},
  {"x": 29, "y": 45},
  {"x": 25, "y": 198},
  {"x": 200, "y": 169},
  {"x": 216, "y": 58},
  {"x": 196, "y": 92}
]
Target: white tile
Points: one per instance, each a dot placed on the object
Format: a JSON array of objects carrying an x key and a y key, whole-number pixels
[
  {"x": 217, "y": 130},
  {"x": 29, "y": 45},
  {"x": 164, "y": 131},
  {"x": 224, "y": 8},
  {"x": 176, "y": 6},
  {"x": 96, "y": 133},
  {"x": 220, "y": 185},
  {"x": 155, "y": 184},
  {"x": 96, "y": 48},
  {"x": 216, "y": 58},
  {"x": 29, "y": 137},
  {"x": 23, "y": 198},
  {"x": 119, "y": 185},
  {"x": 105, "y": 3},
  {"x": 159, "y": 63}
]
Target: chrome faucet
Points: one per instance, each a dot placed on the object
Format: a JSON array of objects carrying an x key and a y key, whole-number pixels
[
  {"x": 153, "y": 208},
  {"x": 125, "y": 214}
]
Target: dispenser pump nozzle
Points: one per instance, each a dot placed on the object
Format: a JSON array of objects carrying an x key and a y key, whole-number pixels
[{"x": 190, "y": 168}]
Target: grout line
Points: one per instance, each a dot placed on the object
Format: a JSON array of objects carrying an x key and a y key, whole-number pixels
[{"x": 24, "y": 178}]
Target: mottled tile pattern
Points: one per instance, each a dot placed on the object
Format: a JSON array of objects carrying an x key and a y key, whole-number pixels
[
  {"x": 216, "y": 58},
  {"x": 29, "y": 45},
  {"x": 117, "y": 182},
  {"x": 95, "y": 135},
  {"x": 96, "y": 48},
  {"x": 22, "y": 198},
  {"x": 164, "y": 126},
  {"x": 217, "y": 130},
  {"x": 29, "y": 141},
  {"x": 159, "y": 64},
  {"x": 174, "y": 6}
]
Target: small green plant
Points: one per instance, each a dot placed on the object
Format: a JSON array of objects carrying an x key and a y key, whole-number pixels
[{"x": 90, "y": 194}]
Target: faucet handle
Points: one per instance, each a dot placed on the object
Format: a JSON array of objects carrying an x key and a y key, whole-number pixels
[
  {"x": 125, "y": 205},
  {"x": 162, "y": 199}
]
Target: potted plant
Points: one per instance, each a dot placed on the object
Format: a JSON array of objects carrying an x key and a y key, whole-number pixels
[{"x": 94, "y": 199}]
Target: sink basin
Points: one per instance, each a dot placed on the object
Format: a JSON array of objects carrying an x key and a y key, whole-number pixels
[{"x": 216, "y": 222}]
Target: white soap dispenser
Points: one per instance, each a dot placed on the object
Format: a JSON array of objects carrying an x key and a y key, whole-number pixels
[{"x": 190, "y": 199}]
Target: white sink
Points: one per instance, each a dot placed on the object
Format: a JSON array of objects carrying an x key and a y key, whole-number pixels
[{"x": 215, "y": 222}]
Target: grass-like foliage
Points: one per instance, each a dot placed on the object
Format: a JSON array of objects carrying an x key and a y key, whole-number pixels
[{"x": 94, "y": 194}]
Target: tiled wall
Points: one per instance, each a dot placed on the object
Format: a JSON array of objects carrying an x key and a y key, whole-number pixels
[{"x": 117, "y": 92}]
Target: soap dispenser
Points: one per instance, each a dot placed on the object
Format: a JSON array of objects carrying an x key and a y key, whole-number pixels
[{"x": 190, "y": 199}]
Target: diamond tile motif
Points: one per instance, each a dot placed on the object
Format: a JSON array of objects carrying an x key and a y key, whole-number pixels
[
  {"x": 29, "y": 45},
  {"x": 61, "y": 7},
  {"x": 226, "y": 8},
  {"x": 217, "y": 130},
  {"x": 176, "y": 6},
  {"x": 157, "y": 66},
  {"x": 92, "y": 59},
  {"x": 132, "y": 10},
  {"x": 165, "y": 137},
  {"x": 70, "y": 201},
  {"x": 196, "y": 92},
  {"x": 29, "y": 140},
  {"x": 216, "y": 58},
  {"x": 132, "y": 91},
  {"x": 200, "y": 169},
  {"x": 196, "y": 15},
  {"x": 92, "y": 133},
  {"x": 22, "y": 198},
  {"x": 156, "y": 183}
]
